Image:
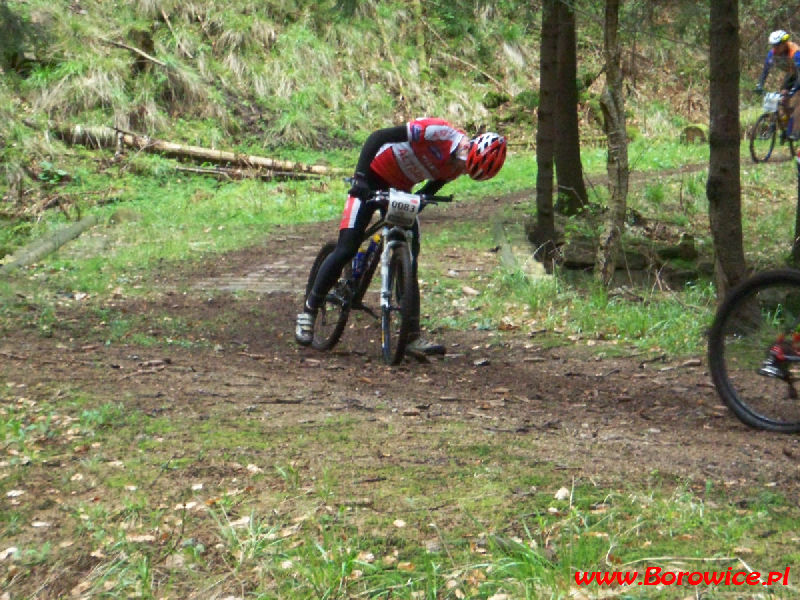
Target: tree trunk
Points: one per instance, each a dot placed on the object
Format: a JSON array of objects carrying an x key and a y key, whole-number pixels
[
  {"x": 796, "y": 243},
  {"x": 723, "y": 188},
  {"x": 613, "y": 105},
  {"x": 571, "y": 187},
  {"x": 422, "y": 57},
  {"x": 543, "y": 234}
]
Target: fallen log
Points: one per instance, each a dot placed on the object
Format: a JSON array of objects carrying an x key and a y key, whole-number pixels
[
  {"x": 107, "y": 137},
  {"x": 41, "y": 248},
  {"x": 229, "y": 173}
]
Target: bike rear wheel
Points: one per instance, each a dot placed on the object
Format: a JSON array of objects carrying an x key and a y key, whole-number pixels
[
  {"x": 762, "y": 137},
  {"x": 754, "y": 317},
  {"x": 332, "y": 315},
  {"x": 396, "y": 317}
]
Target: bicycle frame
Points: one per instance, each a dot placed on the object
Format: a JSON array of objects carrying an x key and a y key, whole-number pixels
[
  {"x": 770, "y": 124},
  {"x": 390, "y": 238},
  {"x": 393, "y": 234}
]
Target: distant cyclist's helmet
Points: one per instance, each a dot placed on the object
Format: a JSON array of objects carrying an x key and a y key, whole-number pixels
[
  {"x": 486, "y": 155},
  {"x": 776, "y": 37}
]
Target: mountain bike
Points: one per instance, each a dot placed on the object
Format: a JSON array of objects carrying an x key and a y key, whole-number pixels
[
  {"x": 770, "y": 125},
  {"x": 754, "y": 350},
  {"x": 386, "y": 243}
]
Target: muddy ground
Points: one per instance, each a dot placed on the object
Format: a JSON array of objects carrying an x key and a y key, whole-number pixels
[{"x": 606, "y": 419}]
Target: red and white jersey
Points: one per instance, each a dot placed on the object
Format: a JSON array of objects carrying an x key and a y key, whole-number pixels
[{"x": 427, "y": 155}]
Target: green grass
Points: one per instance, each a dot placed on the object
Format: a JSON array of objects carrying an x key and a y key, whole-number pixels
[
  {"x": 159, "y": 522},
  {"x": 660, "y": 322},
  {"x": 154, "y": 505},
  {"x": 108, "y": 495},
  {"x": 158, "y": 218}
]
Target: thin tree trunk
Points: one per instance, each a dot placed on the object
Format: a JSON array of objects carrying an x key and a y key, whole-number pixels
[
  {"x": 723, "y": 188},
  {"x": 422, "y": 57},
  {"x": 613, "y": 105},
  {"x": 542, "y": 235},
  {"x": 796, "y": 244},
  {"x": 572, "y": 195}
]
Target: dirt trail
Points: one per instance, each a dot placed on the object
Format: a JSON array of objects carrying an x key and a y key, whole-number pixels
[{"x": 607, "y": 419}]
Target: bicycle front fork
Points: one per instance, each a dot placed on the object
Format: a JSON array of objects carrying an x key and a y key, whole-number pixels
[{"x": 386, "y": 291}]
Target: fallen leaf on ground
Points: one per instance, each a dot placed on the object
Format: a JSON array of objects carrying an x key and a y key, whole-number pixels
[
  {"x": 7, "y": 552},
  {"x": 243, "y": 522}
]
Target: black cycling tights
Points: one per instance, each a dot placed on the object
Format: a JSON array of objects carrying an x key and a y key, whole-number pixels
[{"x": 346, "y": 248}]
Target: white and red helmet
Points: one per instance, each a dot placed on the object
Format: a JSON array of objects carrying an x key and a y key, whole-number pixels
[{"x": 486, "y": 155}]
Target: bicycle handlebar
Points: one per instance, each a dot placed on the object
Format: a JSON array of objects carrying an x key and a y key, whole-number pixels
[{"x": 381, "y": 197}]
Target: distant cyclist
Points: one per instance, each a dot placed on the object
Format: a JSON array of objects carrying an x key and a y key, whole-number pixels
[
  {"x": 426, "y": 149},
  {"x": 786, "y": 53}
]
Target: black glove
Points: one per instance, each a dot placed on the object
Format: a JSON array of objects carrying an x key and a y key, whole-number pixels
[{"x": 359, "y": 188}]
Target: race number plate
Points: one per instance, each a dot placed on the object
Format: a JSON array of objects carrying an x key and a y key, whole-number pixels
[
  {"x": 771, "y": 101},
  {"x": 403, "y": 208}
]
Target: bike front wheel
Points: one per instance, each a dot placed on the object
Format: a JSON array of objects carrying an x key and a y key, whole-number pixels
[
  {"x": 332, "y": 315},
  {"x": 762, "y": 137},
  {"x": 396, "y": 314},
  {"x": 755, "y": 382}
]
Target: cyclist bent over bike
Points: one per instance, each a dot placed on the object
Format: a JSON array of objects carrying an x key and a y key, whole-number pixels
[{"x": 426, "y": 149}]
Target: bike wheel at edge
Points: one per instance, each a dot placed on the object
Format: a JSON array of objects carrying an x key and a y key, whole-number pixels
[
  {"x": 395, "y": 318},
  {"x": 747, "y": 324},
  {"x": 332, "y": 315},
  {"x": 762, "y": 137}
]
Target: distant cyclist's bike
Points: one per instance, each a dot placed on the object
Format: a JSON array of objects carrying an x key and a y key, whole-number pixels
[
  {"x": 754, "y": 350},
  {"x": 386, "y": 243},
  {"x": 771, "y": 125}
]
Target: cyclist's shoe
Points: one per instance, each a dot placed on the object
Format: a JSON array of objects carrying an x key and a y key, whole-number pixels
[
  {"x": 304, "y": 331},
  {"x": 772, "y": 367},
  {"x": 422, "y": 347},
  {"x": 775, "y": 365}
]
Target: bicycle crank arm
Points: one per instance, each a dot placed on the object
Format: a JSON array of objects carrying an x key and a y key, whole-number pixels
[{"x": 367, "y": 310}]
